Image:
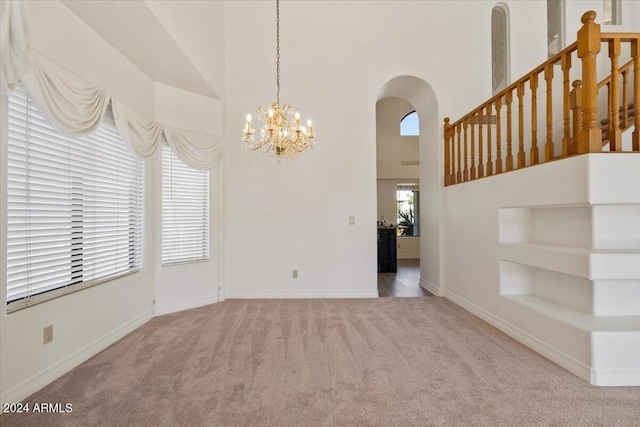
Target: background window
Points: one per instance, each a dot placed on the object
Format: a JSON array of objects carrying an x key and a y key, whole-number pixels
[
  {"x": 74, "y": 207},
  {"x": 410, "y": 125},
  {"x": 408, "y": 202},
  {"x": 185, "y": 211}
]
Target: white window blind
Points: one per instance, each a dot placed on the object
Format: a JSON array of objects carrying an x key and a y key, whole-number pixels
[
  {"x": 74, "y": 207},
  {"x": 185, "y": 211}
]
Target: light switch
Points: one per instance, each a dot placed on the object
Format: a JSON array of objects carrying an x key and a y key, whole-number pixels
[{"x": 352, "y": 220}]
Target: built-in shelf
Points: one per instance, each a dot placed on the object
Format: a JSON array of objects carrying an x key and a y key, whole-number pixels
[
  {"x": 578, "y": 319},
  {"x": 592, "y": 264}
]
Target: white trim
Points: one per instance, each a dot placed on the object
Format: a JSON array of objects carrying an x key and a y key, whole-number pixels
[
  {"x": 185, "y": 305},
  {"x": 47, "y": 375},
  {"x": 434, "y": 289},
  {"x": 572, "y": 365},
  {"x": 298, "y": 295},
  {"x": 615, "y": 377}
]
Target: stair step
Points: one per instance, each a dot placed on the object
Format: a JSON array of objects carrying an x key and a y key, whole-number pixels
[{"x": 630, "y": 113}]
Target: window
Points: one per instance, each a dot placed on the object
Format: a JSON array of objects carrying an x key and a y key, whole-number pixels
[
  {"x": 499, "y": 49},
  {"x": 555, "y": 26},
  {"x": 611, "y": 12},
  {"x": 185, "y": 211},
  {"x": 408, "y": 209},
  {"x": 74, "y": 207},
  {"x": 409, "y": 125}
]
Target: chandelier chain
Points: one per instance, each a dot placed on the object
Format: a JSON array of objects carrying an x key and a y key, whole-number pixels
[{"x": 278, "y": 51}]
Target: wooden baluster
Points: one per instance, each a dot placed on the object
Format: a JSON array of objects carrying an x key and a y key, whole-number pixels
[
  {"x": 480, "y": 151},
  {"x": 452, "y": 138},
  {"x": 498, "y": 134},
  {"x": 489, "y": 154},
  {"x": 566, "y": 106},
  {"x": 521, "y": 155},
  {"x": 509, "y": 132},
  {"x": 465, "y": 172},
  {"x": 588, "y": 48},
  {"x": 635, "y": 54},
  {"x": 625, "y": 98},
  {"x": 447, "y": 153},
  {"x": 459, "y": 169},
  {"x": 548, "y": 146},
  {"x": 472, "y": 122},
  {"x": 615, "y": 134},
  {"x": 534, "y": 152},
  {"x": 576, "y": 109},
  {"x": 609, "y": 113}
]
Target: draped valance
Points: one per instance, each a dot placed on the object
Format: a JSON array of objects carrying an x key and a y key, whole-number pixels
[{"x": 77, "y": 107}]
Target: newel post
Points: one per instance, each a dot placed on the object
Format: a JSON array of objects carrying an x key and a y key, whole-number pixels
[
  {"x": 447, "y": 153},
  {"x": 590, "y": 140}
]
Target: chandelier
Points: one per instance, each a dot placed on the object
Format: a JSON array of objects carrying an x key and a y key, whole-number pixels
[{"x": 281, "y": 134}]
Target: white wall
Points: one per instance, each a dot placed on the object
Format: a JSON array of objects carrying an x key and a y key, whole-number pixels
[
  {"x": 391, "y": 147},
  {"x": 295, "y": 215},
  {"x": 89, "y": 320}
]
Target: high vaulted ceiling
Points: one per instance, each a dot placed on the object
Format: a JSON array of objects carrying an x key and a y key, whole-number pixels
[{"x": 139, "y": 30}]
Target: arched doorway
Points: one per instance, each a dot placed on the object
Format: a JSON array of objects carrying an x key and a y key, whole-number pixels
[{"x": 422, "y": 98}]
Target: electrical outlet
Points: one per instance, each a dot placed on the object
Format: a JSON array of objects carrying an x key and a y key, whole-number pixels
[
  {"x": 352, "y": 220},
  {"x": 294, "y": 274},
  {"x": 47, "y": 334}
]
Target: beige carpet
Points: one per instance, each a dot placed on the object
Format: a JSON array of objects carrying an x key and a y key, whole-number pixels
[{"x": 388, "y": 362}]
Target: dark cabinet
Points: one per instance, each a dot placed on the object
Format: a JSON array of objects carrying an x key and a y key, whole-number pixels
[{"x": 387, "y": 256}]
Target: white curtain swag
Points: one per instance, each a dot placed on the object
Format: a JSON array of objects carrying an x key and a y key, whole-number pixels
[
  {"x": 76, "y": 107},
  {"x": 142, "y": 135},
  {"x": 196, "y": 150},
  {"x": 71, "y": 104},
  {"x": 14, "y": 45}
]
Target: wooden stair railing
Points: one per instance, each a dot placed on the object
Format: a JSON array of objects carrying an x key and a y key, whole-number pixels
[{"x": 468, "y": 156}]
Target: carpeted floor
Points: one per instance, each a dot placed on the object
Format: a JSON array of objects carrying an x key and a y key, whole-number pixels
[{"x": 357, "y": 362}]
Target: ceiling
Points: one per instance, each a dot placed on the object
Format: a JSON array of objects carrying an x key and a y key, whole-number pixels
[{"x": 135, "y": 31}]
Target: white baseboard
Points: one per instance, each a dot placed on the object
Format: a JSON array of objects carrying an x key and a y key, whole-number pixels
[
  {"x": 572, "y": 365},
  {"x": 45, "y": 376},
  {"x": 430, "y": 287},
  {"x": 185, "y": 305},
  {"x": 616, "y": 378},
  {"x": 299, "y": 295}
]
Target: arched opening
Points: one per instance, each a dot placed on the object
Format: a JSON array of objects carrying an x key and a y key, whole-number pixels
[
  {"x": 499, "y": 48},
  {"x": 418, "y": 96}
]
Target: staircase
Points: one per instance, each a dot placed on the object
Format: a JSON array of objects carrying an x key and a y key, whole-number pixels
[
  {"x": 567, "y": 256},
  {"x": 626, "y": 122}
]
